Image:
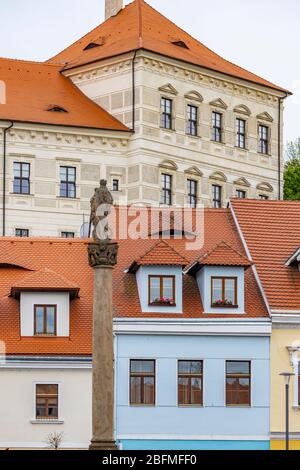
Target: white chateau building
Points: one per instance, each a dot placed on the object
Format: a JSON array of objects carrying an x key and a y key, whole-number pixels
[{"x": 141, "y": 103}]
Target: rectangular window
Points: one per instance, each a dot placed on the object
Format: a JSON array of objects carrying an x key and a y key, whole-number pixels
[
  {"x": 224, "y": 292},
  {"x": 67, "y": 234},
  {"x": 22, "y": 232},
  {"x": 46, "y": 399},
  {"x": 238, "y": 383},
  {"x": 115, "y": 185},
  {"x": 142, "y": 382},
  {"x": 21, "y": 178},
  {"x": 217, "y": 196},
  {"x": 217, "y": 126},
  {"x": 166, "y": 113},
  {"x": 192, "y": 192},
  {"x": 162, "y": 290},
  {"x": 241, "y": 133},
  {"x": 67, "y": 182},
  {"x": 263, "y": 197},
  {"x": 166, "y": 189},
  {"x": 263, "y": 139},
  {"x": 190, "y": 383},
  {"x": 240, "y": 194},
  {"x": 45, "y": 320},
  {"x": 192, "y": 120}
]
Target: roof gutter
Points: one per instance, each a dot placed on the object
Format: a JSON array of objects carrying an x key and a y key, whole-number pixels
[
  {"x": 256, "y": 275},
  {"x": 4, "y": 178},
  {"x": 133, "y": 91}
]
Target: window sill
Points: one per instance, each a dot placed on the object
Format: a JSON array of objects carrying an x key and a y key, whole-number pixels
[
  {"x": 47, "y": 421},
  {"x": 239, "y": 406},
  {"x": 132, "y": 405},
  {"x": 224, "y": 306},
  {"x": 167, "y": 130},
  {"x": 191, "y": 136},
  {"x": 264, "y": 154},
  {"x": 296, "y": 407},
  {"x": 161, "y": 305},
  {"x": 45, "y": 336},
  {"x": 217, "y": 143},
  {"x": 190, "y": 406},
  {"x": 241, "y": 148},
  {"x": 21, "y": 194},
  {"x": 68, "y": 198}
]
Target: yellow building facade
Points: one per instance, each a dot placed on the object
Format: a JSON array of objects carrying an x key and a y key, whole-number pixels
[{"x": 285, "y": 355}]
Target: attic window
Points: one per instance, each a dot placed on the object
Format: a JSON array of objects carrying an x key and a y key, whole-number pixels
[
  {"x": 56, "y": 109},
  {"x": 180, "y": 44},
  {"x": 91, "y": 45}
]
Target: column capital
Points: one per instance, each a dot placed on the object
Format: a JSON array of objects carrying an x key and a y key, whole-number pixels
[{"x": 103, "y": 253}]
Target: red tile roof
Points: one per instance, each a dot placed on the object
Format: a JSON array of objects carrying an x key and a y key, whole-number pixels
[
  {"x": 224, "y": 255},
  {"x": 45, "y": 279},
  {"x": 160, "y": 254},
  {"x": 69, "y": 260},
  {"x": 33, "y": 88},
  {"x": 139, "y": 26},
  {"x": 272, "y": 232}
]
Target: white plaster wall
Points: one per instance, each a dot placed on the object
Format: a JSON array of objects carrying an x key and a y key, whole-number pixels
[
  {"x": 17, "y": 407},
  {"x": 204, "y": 282},
  {"x": 29, "y": 299}
]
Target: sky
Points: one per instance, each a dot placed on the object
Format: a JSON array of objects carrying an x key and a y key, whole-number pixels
[{"x": 262, "y": 36}]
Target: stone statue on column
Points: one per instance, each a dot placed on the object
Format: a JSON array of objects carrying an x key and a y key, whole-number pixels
[{"x": 102, "y": 254}]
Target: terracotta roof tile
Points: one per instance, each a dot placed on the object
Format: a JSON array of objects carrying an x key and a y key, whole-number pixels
[
  {"x": 33, "y": 88},
  {"x": 160, "y": 254},
  {"x": 139, "y": 26},
  {"x": 272, "y": 233},
  {"x": 224, "y": 255},
  {"x": 44, "y": 279}
]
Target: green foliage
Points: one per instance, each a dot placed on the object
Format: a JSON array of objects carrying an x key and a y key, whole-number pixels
[{"x": 292, "y": 172}]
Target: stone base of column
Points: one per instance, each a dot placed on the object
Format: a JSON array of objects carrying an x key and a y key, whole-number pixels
[{"x": 103, "y": 445}]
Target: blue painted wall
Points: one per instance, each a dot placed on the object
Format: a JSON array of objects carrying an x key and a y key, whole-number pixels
[{"x": 166, "y": 420}]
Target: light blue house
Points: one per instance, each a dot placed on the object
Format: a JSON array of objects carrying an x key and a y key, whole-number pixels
[{"x": 192, "y": 368}]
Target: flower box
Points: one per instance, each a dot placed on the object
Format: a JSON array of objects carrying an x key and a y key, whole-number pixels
[{"x": 163, "y": 303}]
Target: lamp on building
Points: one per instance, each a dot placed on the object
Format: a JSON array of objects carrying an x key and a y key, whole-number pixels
[{"x": 287, "y": 378}]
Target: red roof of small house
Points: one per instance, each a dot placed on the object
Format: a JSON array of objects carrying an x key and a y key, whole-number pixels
[
  {"x": 161, "y": 254},
  {"x": 39, "y": 93},
  {"x": 224, "y": 255},
  {"x": 139, "y": 26},
  {"x": 44, "y": 280},
  {"x": 272, "y": 233},
  {"x": 68, "y": 260}
]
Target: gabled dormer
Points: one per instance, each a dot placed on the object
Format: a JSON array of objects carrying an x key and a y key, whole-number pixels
[
  {"x": 220, "y": 274},
  {"x": 44, "y": 303},
  {"x": 159, "y": 279},
  {"x": 294, "y": 260}
]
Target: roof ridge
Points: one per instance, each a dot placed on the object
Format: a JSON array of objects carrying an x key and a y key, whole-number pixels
[{"x": 218, "y": 245}]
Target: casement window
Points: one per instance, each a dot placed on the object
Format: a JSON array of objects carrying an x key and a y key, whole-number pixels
[
  {"x": 190, "y": 383},
  {"x": 238, "y": 383},
  {"x": 46, "y": 402},
  {"x": 67, "y": 182},
  {"x": 142, "y": 382},
  {"x": 263, "y": 132},
  {"x": 166, "y": 106},
  {"x": 224, "y": 292},
  {"x": 217, "y": 126},
  {"x": 192, "y": 192},
  {"x": 67, "y": 235},
  {"x": 263, "y": 197},
  {"x": 166, "y": 189},
  {"x": 241, "y": 133},
  {"x": 45, "y": 320},
  {"x": 217, "y": 196},
  {"x": 22, "y": 232},
  {"x": 240, "y": 194},
  {"x": 21, "y": 178},
  {"x": 192, "y": 120},
  {"x": 115, "y": 185},
  {"x": 162, "y": 290}
]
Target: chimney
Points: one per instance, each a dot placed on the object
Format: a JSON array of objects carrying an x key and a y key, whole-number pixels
[{"x": 112, "y": 7}]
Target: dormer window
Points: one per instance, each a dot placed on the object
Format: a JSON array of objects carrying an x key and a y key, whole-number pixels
[
  {"x": 162, "y": 291},
  {"x": 224, "y": 292},
  {"x": 180, "y": 44},
  {"x": 91, "y": 45},
  {"x": 45, "y": 320},
  {"x": 56, "y": 109}
]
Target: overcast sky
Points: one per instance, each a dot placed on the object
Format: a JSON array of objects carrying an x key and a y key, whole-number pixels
[{"x": 262, "y": 35}]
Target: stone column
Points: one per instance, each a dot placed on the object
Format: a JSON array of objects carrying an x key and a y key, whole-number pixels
[{"x": 102, "y": 258}]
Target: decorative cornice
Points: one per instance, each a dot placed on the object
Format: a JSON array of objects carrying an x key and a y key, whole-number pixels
[
  {"x": 218, "y": 103},
  {"x": 168, "y": 89},
  {"x": 242, "y": 109},
  {"x": 265, "y": 117}
]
